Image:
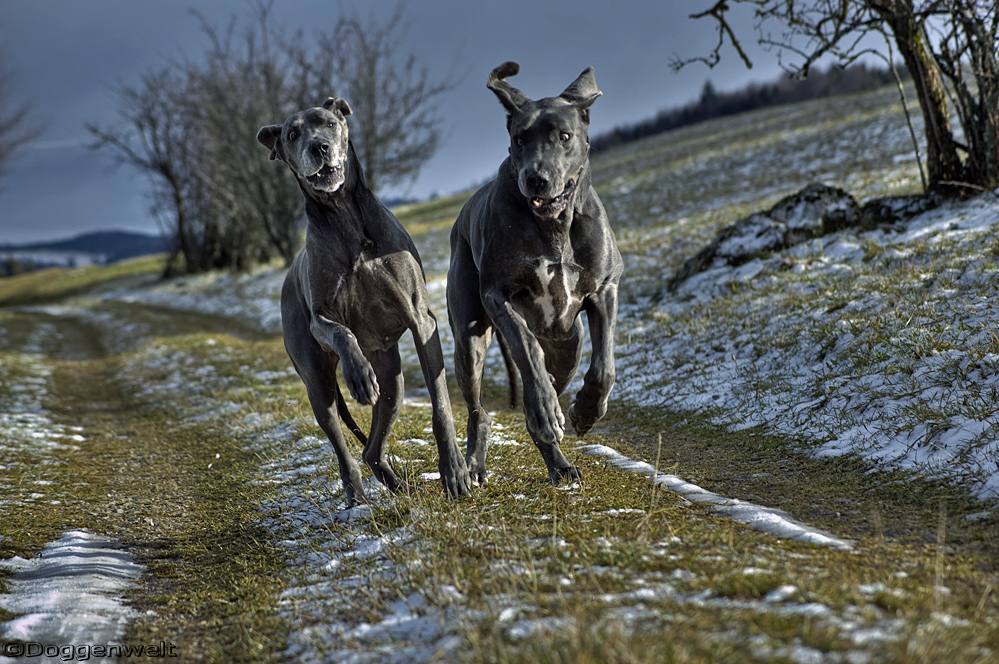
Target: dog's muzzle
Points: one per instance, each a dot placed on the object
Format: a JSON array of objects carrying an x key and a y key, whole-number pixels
[
  {"x": 552, "y": 207},
  {"x": 328, "y": 178}
]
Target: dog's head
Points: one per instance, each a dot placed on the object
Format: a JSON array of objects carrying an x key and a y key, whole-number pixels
[
  {"x": 549, "y": 145},
  {"x": 313, "y": 143}
]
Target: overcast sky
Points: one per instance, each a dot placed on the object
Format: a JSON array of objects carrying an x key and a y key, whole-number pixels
[{"x": 65, "y": 56}]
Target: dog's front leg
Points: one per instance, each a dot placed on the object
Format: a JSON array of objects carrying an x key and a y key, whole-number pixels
[
  {"x": 590, "y": 403},
  {"x": 451, "y": 463},
  {"x": 545, "y": 421},
  {"x": 357, "y": 372}
]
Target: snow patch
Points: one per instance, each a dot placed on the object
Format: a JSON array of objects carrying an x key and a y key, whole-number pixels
[
  {"x": 70, "y": 593},
  {"x": 765, "y": 519}
]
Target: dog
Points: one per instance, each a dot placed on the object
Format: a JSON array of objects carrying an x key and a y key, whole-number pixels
[
  {"x": 530, "y": 250},
  {"x": 354, "y": 289}
]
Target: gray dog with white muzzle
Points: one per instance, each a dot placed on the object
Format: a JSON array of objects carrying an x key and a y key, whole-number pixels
[
  {"x": 530, "y": 251},
  {"x": 350, "y": 294}
]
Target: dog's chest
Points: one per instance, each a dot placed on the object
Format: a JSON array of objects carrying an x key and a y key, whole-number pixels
[
  {"x": 376, "y": 298},
  {"x": 552, "y": 296}
]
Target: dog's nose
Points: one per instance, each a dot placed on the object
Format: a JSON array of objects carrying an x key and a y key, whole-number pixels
[
  {"x": 536, "y": 181},
  {"x": 320, "y": 149}
]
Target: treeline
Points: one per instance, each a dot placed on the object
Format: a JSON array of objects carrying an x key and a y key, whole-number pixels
[
  {"x": 189, "y": 125},
  {"x": 785, "y": 90}
]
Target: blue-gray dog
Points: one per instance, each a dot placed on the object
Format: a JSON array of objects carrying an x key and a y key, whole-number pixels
[
  {"x": 529, "y": 251},
  {"x": 350, "y": 294}
]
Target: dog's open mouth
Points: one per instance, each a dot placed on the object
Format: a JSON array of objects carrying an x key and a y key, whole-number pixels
[
  {"x": 328, "y": 178},
  {"x": 552, "y": 207}
]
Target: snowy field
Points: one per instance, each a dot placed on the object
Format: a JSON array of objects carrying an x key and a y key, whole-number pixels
[
  {"x": 354, "y": 593},
  {"x": 882, "y": 343}
]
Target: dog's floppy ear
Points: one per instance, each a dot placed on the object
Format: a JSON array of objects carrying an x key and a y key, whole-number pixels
[
  {"x": 511, "y": 98},
  {"x": 336, "y": 103},
  {"x": 582, "y": 92},
  {"x": 269, "y": 137}
]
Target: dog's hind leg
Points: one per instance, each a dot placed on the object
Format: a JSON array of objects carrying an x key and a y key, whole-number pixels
[
  {"x": 452, "y": 466},
  {"x": 472, "y": 332},
  {"x": 562, "y": 356},
  {"x": 469, "y": 360},
  {"x": 346, "y": 417},
  {"x": 590, "y": 403},
  {"x": 512, "y": 374},
  {"x": 323, "y": 396},
  {"x": 317, "y": 369},
  {"x": 388, "y": 369}
]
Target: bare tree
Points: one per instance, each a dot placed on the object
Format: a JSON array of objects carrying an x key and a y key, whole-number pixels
[
  {"x": 239, "y": 88},
  {"x": 968, "y": 45},
  {"x": 191, "y": 124},
  {"x": 942, "y": 42},
  {"x": 396, "y": 125},
  {"x": 152, "y": 136},
  {"x": 16, "y": 129}
]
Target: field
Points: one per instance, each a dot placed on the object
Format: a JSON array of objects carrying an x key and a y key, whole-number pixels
[{"x": 799, "y": 463}]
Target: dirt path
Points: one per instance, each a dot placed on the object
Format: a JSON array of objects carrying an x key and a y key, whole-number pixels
[
  {"x": 193, "y": 450},
  {"x": 147, "y": 485}
]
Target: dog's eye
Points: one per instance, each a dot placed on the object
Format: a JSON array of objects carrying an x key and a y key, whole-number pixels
[
  {"x": 330, "y": 124},
  {"x": 292, "y": 135},
  {"x": 520, "y": 142},
  {"x": 565, "y": 137}
]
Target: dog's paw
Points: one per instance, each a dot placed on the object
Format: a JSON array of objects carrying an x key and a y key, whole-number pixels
[
  {"x": 353, "y": 496},
  {"x": 583, "y": 416},
  {"x": 545, "y": 421},
  {"x": 457, "y": 482},
  {"x": 476, "y": 470},
  {"x": 361, "y": 381},
  {"x": 568, "y": 473},
  {"x": 404, "y": 488}
]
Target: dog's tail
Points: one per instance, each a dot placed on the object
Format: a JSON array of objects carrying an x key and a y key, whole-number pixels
[
  {"x": 346, "y": 417},
  {"x": 511, "y": 369}
]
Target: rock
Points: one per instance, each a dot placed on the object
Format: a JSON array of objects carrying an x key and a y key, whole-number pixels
[
  {"x": 812, "y": 212},
  {"x": 891, "y": 210}
]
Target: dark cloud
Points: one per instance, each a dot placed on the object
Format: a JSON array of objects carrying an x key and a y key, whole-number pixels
[{"x": 66, "y": 56}]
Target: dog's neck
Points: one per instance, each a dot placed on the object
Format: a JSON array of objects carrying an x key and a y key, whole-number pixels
[{"x": 342, "y": 212}]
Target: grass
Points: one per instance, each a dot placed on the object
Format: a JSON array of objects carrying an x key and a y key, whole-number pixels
[
  {"x": 621, "y": 576},
  {"x": 431, "y": 223},
  {"x": 56, "y": 284},
  {"x": 202, "y": 457}
]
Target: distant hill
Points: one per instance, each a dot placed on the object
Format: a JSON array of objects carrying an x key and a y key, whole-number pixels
[
  {"x": 97, "y": 248},
  {"x": 784, "y": 90}
]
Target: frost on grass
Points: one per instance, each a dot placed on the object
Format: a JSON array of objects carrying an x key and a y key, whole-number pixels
[
  {"x": 347, "y": 599},
  {"x": 881, "y": 343},
  {"x": 29, "y": 437},
  {"x": 361, "y": 587},
  {"x": 765, "y": 519},
  {"x": 252, "y": 298}
]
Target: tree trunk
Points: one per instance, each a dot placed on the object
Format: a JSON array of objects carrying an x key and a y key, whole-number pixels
[
  {"x": 983, "y": 162},
  {"x": 942, "y": 162}
]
